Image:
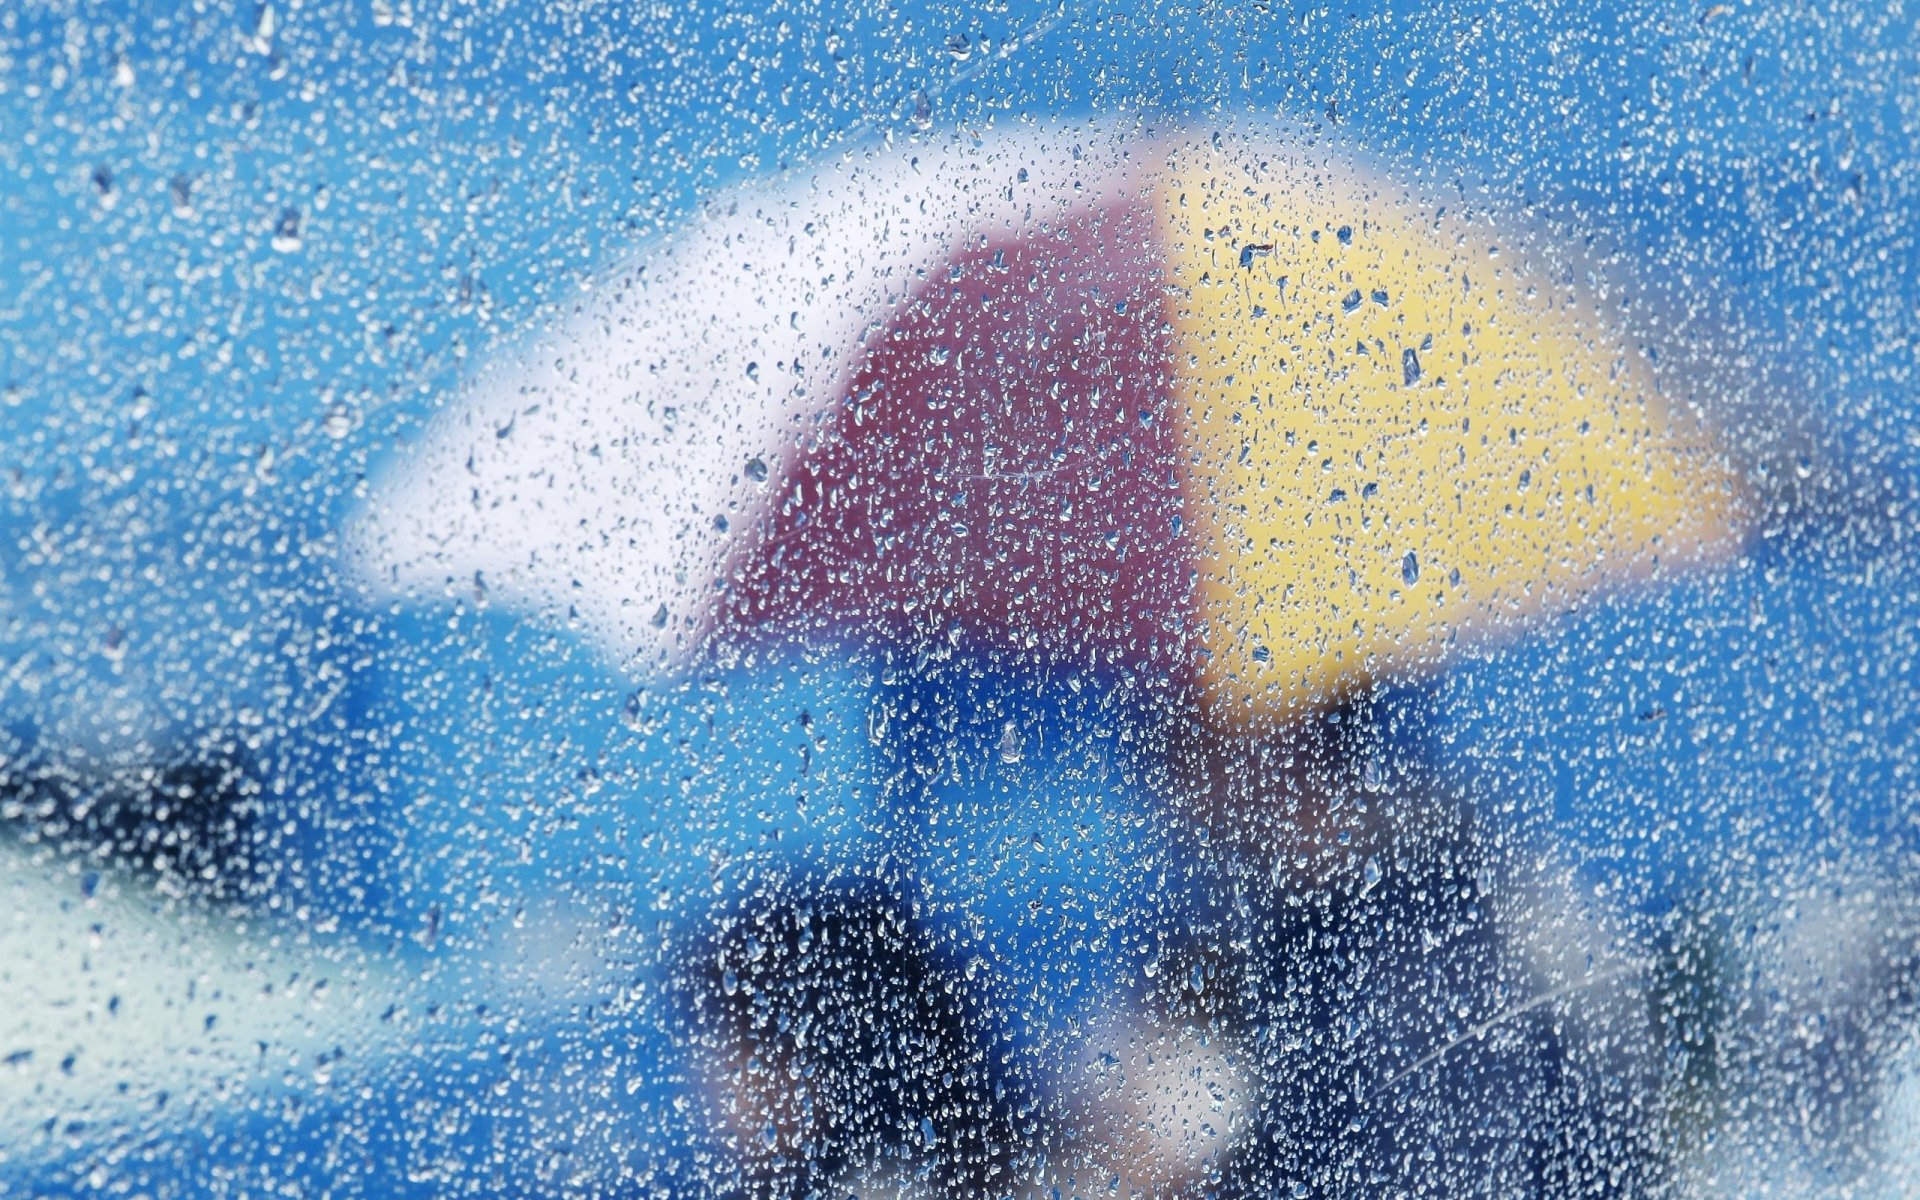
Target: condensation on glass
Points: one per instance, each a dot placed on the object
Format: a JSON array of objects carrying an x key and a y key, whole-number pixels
[{"x": 945, "y": 600}]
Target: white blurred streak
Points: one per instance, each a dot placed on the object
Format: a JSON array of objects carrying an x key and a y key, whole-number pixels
[{"x": 120, "y": 1005}]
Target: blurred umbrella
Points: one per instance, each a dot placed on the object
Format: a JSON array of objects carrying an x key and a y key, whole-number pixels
[{"x": 1238, "y": 411}]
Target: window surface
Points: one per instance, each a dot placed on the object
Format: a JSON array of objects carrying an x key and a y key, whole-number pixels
[{"x": 936, "y": 599}]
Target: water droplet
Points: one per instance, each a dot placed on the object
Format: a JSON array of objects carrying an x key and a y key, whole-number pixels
[
  {"x": 960, "y": 47},
  {"x": 103, "y": 187},
  {"x": 1010, "y": 748},
  {"x": 286, "y": 231},
  {"x": 266, "y": 23},
  {"x": 1351, "y": 302},
  {"x": 1370, "y": 875},
  {"x": 1410, "y": 568},
  {"x": 634, "y": 714},
  {"x": 1345, "y": 234},
  {"x": 756, "y": 470},
  {"x": 1409, "y": 367},
  {"x": 339, "y": 422}
]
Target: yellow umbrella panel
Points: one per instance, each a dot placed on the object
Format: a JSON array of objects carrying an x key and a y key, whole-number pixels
[{"x": 1397, "y": 438}]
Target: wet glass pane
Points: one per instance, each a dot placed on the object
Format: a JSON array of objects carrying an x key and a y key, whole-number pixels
[{"x": 930, "y": 599}]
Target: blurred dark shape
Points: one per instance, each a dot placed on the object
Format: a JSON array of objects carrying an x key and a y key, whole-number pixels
[
  {"x": 194, "y": 821},
  {"x": 837, "y": 1043},
  {"x": 1410, "y": 1032}
]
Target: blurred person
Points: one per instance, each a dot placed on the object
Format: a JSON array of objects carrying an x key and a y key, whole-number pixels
[{"x": 1230, "y": 430}]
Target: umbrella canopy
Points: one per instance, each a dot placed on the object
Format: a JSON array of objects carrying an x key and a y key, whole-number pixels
[{"x": 1243, "y": 411}]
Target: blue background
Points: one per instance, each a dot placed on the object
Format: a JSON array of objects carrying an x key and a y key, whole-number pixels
[{"x": 187, "y": 412}]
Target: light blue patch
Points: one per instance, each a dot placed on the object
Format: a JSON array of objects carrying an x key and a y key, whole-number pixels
[
  {"x": 511, "y": 768},
  {"x": 1046, "y": 866}
]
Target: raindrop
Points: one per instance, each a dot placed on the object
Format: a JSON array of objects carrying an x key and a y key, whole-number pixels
[
  {"x": 634, "y": 714},
  {"x": 757, "y": 470},
  {"x": 265, "y": 23},
  {"x": 1370, "y": 875},
  {"x": 286, "y": 231},
  {"x": 1409, "y": 367},
  {"x": 1410, "y": 568},
  {"x": 1010, "y": 748}
]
